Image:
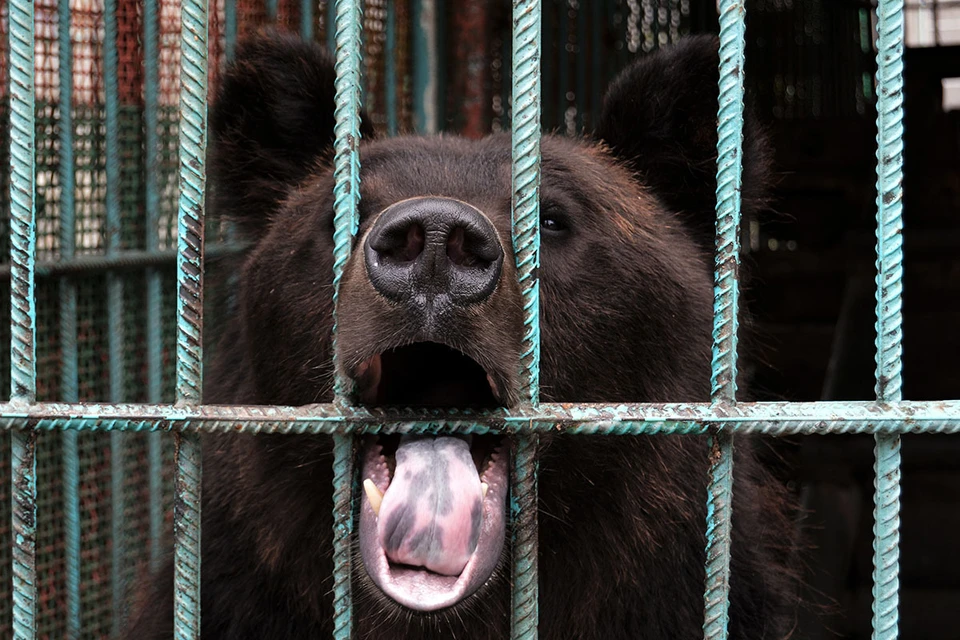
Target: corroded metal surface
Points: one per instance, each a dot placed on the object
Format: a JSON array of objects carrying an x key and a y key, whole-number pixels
[
  {"x": 349, "y": 19},
  {"x": 723, "y": 378},
  {"x": 523, "y": 512},
  {"x": 23, "y": 315},
  {"x": 193, "y": 143},
  {"x": 525, "y": 209},
  {"x": 768, "y": 418},
  {"x": 889, "y": 339}
]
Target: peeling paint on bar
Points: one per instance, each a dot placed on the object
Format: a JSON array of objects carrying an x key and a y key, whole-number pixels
[
  {"x": 889, "y": 339},
  {"x": 525, "y": 215},
  {"x": 768, "y": 418},
  {"x": 349, "y": 20},
  {"x": 193, "y": 142},
  {"x": 23, "y": 316},
  {"x": 726, "y": 309}
]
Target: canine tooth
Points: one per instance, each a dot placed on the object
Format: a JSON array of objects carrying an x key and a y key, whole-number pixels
[
  {"x": 373, "y": 495},
  {"x": 483, "y": 490}
]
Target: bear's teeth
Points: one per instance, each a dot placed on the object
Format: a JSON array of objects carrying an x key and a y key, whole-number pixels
[
  {"x": 373, "y": 495},
  {"x": 483, "y": 490}
]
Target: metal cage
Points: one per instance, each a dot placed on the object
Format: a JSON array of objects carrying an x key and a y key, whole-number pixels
[{"x": 722, "y": 418}]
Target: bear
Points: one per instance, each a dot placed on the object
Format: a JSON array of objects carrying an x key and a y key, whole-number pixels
[{"x": 430, "y": 316}]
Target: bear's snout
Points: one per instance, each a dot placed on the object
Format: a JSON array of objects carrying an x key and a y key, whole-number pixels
[{"x": 426, "y": 250}]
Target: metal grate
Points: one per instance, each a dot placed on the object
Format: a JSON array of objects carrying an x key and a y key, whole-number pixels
[{"x": 56, "y": 224}]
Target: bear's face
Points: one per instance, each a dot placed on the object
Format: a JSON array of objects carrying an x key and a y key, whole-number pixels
[{"x": 430, "y": 313}]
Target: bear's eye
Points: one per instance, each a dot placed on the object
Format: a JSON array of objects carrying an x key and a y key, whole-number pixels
[{"x": 553, "y": 221}]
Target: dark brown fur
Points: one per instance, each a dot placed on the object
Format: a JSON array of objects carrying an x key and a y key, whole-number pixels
[{"x": 625, "y": 316}]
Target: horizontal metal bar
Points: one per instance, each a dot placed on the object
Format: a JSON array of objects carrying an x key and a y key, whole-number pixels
[
  {"x": 770, "y": 418},
  {"x": 119, "y": 260}
]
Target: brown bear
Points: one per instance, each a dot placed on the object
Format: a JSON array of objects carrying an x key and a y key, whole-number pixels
[{"x": 431, "y": 316}]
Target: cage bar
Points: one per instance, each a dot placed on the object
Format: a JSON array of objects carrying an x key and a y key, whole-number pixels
[
  {"x": 151, "y": 123},
  {"x": 390, "y": 68},
  {"x": 193, "y": 138},
  {"x": 114, "y": 304},
  {"x": 69, "y": 378},
  {"x": 762, "y": 418},
  {"x": 525, "y": 211},
  {"x": 723, "y": 378},
  {"x": 889, "y": 339},
  {"x": 349, "y": 21},
  {"x": 426, "y": 66},
  {"x": 23, "y": 315},
  {"x": 306, "y": 19},
  {"x": 230, "y": 28}
]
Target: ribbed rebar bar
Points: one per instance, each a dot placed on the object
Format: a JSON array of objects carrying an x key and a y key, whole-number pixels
[
  {"x": 525, "y": 210},
  {"x": 349, "y": 19},
  {"x": 723, "y": 379},
  {"x": 23, "y": 315},
  {"x": 193, "y": 139},
  {"x": 889, "y": 339},
  {"x": 523, "y": 511},
  {"x": 526, "y": 183},
  {"x": 763, "y": 418}
]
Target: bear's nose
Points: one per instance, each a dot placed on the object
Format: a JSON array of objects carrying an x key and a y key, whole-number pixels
[{"x": 433, "y": 247}]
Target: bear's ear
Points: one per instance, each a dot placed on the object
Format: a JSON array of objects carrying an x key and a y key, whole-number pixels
[
  {"x": 271, "y": 124},
  {"x": 660, "y": 117}
]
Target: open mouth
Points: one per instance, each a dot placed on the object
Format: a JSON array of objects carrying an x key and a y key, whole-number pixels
[
  {"x": 433, "y": 517},
  {"x": 426, "y": 374}
]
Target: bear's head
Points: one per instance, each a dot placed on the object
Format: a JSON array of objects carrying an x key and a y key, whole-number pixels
[{"x": 430, "y": 313}]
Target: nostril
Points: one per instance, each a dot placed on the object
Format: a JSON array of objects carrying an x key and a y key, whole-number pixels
[
  {"x": 471, "y": 249},
  {"x": 455, "y": 249},
  {"x": 413, "y": 246},
  {"x": 401, "y": 244}
]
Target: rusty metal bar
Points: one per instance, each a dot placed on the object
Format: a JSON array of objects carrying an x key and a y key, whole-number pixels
[
  {"x": 889, "y": 340},
  {"x": 23, "y": 316},
  {"x": 767, "y": 418},
  {"x": 193, "y": 141}
]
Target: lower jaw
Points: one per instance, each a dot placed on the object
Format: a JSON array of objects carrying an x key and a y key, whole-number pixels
[{"x": 422, "y": 590}]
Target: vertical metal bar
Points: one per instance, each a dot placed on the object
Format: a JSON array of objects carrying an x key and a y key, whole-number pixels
[
  {"x": 525, "y": 139},
  {"x": 563, "y": 65},
  {"x": 23, "y": 364},
  {"x": 151, "y": 56},
  {"x": 597, "y": 61},
  {"x": 306, "y": 19},
  {"x": 331, "y": 23},
  {"x": 114, "y": 305},
  {"x": 348, "y": 24},
  {"x": 272, "y": 7},
  {"x": 526, "y": 182},
  {"x": 193, "y": 143},
  {"x": 426, "y": 66},
  {"x": 391, "y": 68},
  {"x": 68, "y": 326},
  {"x": 230, "y": 27},
  {"x": 581, "y": 62},
  {"x": 886, "y": 527},
  {"x": 726, "y": 308}
]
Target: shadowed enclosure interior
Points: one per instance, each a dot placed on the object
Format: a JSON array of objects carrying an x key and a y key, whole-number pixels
[{"x": 101, "y": 257}]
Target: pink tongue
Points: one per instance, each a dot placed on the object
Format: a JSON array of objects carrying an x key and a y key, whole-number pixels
[{"x": 430, "y": 514}]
